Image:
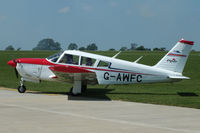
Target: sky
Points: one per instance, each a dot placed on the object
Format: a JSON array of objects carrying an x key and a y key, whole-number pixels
[{"x": 108, "y": 23}]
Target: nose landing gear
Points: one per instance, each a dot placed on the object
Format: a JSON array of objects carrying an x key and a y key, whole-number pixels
[{"x": 21, "y": 88}]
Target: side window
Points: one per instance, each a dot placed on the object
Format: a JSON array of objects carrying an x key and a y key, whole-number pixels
[
  {"x": 103, "y": 64},
  {"x": 69, "y": 59},
  {"x": 86, "y": 61}
]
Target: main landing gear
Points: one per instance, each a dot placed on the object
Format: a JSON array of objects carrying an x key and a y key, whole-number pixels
[
  {"x": 78, "y": 88},
  {"x": 21, "y": 88}
]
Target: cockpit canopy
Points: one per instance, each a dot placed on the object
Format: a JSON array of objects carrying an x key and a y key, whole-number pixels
[
  {"x": 77, "y": 58},
  {"x": 66, "y": 58}
]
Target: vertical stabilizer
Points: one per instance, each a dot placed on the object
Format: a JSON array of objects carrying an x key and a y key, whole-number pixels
[{"x": 176, "y": 58}]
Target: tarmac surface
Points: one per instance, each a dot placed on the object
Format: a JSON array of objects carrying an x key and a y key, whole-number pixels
[{"x": 39, "y": 113}]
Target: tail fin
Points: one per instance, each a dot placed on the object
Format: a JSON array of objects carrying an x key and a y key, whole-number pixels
[{"x": 176, "y": 58}]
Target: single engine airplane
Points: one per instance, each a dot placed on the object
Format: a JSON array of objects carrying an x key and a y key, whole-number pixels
[{"x": 81, "y": 68}]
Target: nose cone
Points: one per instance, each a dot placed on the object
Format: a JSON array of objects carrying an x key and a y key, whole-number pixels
[{"x": 12, "y": 63}]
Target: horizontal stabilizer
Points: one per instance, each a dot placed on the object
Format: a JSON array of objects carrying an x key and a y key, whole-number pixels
[{"x": 178, "y": 77}]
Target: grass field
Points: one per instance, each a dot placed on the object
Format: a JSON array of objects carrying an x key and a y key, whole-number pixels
[{"x": 185, "y": 93}]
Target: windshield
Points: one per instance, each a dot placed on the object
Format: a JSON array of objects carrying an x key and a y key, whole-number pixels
[{"x": 55, "y": 57}]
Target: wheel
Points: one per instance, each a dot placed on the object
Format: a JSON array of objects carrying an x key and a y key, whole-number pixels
[{"x": 21, "y": 89}]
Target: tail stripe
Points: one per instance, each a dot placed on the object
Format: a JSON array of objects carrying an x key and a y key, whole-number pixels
[
  {"x": 186, "y": 42},
  {"x": 170, "y": 54}
]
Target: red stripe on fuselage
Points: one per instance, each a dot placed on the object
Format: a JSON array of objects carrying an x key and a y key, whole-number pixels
[{"x": 43, "y": 61}]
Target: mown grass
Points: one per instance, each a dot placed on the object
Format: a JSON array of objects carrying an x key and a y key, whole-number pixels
[{"x": 185, "y": 93}]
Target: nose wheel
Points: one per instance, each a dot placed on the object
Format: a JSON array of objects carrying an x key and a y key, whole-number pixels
[{"x": 21, "y": 88}]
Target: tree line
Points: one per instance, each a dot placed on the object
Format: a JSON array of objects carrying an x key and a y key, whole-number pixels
[{"x": 50, "y": 44}]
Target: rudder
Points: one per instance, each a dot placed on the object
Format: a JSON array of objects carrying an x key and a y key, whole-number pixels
[{"x": 176, "y": 58}]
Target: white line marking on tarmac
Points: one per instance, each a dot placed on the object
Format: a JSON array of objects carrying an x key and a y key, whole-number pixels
[{"x": 100, "y": 119}]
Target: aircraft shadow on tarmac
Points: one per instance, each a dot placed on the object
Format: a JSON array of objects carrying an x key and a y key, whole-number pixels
[
  {"x": 94, "y": 94},
  {"x": 100, "y": 94}
]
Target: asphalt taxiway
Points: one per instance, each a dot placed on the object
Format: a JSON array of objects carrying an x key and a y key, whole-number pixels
[{"x": 32, "y": 112}]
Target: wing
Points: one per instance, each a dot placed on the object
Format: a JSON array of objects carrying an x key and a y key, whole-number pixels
[{"x": 70, "y": 73}]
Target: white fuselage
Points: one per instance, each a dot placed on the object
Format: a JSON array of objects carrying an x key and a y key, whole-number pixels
[{"x": 117, "y": 72}]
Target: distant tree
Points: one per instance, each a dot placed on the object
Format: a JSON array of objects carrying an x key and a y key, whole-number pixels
[
  {"x": 18, "y": 49},
  {"x": 111, "y": 49},
  {"x": 72, "y": 46},
  {"x": 123, "y": 48},
  {"x": 10, "y": 48},
  {"x": 155, "y": 49},
  {"x": 159, "y": 49},
  {"x": 163, "y": 49},
  {"x": 140, "y": 48},
  {"x": 48, "y": 44},
  {"x": 133, "y": 46},
  {"x": 92, "y": 47},
  {"x": 57, "y": 46},
  {"x": 147, "y": 49},
  {"x": 82, "y": 48}
]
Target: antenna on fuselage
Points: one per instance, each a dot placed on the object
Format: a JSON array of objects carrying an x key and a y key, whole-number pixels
[
  {"x": 138, "y": 59},
  {"x": 116, "y": 54}
]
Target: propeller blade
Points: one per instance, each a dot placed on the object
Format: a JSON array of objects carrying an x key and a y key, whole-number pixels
[{"x": 16, "y": 72}]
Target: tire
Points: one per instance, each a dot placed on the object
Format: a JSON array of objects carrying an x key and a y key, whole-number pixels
[{"x": 21, "y": 89}]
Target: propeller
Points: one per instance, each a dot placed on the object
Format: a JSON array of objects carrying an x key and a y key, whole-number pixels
[{"x": 16, "y": 72}]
